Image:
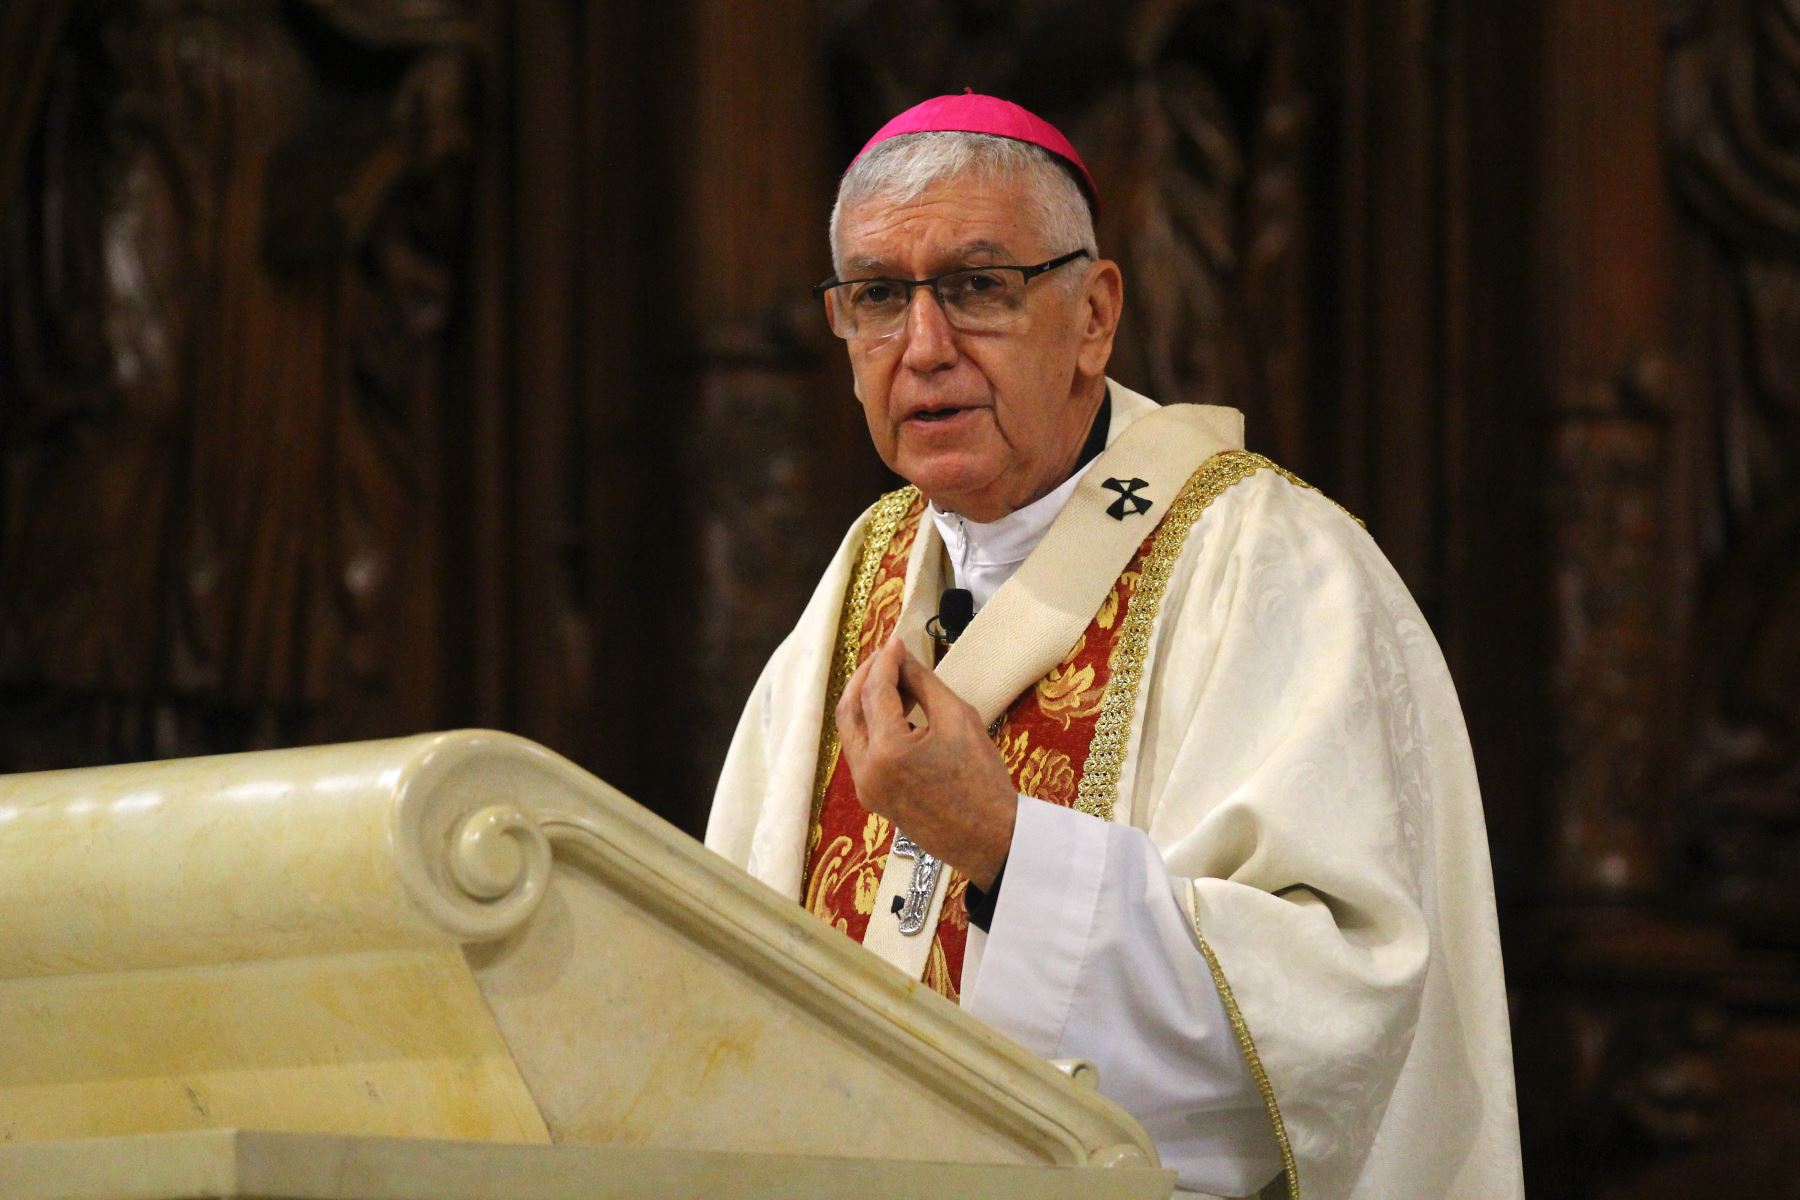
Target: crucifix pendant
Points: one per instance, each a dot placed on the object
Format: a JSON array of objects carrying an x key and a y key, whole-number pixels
[{"x": 925, "y": 872}]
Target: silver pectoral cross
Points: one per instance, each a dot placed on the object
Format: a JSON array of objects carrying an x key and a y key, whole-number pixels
[{"x": 924, "y": 883}]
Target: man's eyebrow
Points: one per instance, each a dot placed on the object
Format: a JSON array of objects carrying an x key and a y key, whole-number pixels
[
  {"x": 980, "y": 246},
  {"x": 858, "y": 267}
]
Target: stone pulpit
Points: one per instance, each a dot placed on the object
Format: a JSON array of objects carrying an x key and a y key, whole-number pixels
[{"x": 457, "y": 967}]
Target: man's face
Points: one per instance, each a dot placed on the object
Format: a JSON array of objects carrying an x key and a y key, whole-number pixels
[{"x": 982, "y": 423}]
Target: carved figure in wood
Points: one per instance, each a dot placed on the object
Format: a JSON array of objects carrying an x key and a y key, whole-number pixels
[{"x": 230, "y": 268}]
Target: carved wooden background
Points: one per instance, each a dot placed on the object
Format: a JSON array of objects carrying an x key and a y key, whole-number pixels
[{"x": 374, "y": 366}]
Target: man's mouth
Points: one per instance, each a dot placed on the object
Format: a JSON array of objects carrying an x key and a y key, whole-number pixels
[{"x": 932, "y": 416}]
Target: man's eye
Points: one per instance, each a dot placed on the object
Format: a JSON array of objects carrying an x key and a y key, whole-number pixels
[
  {"x": 875, "y": 293},
  {"x": 971, "y": 286}
]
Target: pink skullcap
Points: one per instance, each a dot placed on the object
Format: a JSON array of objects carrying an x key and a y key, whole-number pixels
[{"x": 971, "y": 113}]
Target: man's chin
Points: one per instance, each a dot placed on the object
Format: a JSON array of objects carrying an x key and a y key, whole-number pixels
[
  {"x": 936, "y": 471},
  {"x": 954, "y": 485}
]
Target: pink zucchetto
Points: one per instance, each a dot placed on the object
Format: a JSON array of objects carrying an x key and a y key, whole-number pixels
[{"x": 972, "y": 113}]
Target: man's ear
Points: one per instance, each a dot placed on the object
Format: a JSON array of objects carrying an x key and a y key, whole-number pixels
[{"x": 1102, "y": 302}]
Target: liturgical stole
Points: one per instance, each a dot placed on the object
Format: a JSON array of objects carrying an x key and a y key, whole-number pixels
[{"x": 1052, "y": 662}]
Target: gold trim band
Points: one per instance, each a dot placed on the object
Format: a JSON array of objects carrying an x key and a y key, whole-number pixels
[
  {"x": 1099, "y": 790},
  {"x": 884, "y": 521},
  {"x": 1247, "y": 1045}
]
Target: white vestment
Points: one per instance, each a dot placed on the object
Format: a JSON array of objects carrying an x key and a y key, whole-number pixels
[{"x": 1296, "y": 858}]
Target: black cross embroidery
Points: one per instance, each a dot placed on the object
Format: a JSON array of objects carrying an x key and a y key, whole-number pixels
[{"x": 1129, "y": 503}]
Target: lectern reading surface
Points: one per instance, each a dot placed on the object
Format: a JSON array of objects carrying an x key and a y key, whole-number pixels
[{"x": 413, "y": 964}]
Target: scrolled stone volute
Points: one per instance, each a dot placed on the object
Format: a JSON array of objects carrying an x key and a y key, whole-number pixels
[
  {"x": 281, "y": 853},
  {"x": 467, "y": 837}
]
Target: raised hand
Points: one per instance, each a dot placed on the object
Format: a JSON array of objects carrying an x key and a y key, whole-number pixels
[{"x": 943, "y": 781}]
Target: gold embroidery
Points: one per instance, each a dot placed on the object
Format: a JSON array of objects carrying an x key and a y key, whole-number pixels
[
  {"x": 1048, "y": 775},
  {"x": 1247, "y": 1045},
  {"x": 831, "y": 867},
  {"x": 867, "y": 884},
  {"x": 1109, "y": 607},
  {"x": 874, "y": 833},
  {"x": 956, "y": 909},
  {"x": 1106, "y": 753},
  {"x": 1068, "y": 691},
  {"x": 843, "y": 860},
  {"x": 937, "y": 973},
  {"x": 1013, "y": 747},
  {"x": 1299, "y": 482},
  {"x": 883, "y": 613},
  {"x": 884, "y": 519},
  {"x": 868, "y": 879}
]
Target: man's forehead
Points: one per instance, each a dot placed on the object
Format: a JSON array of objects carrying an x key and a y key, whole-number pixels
[
  {"x": 972, "y": 250},
  {"x": 965, "y": 214}
]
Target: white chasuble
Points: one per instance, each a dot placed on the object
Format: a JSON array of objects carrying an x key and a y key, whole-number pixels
[{"x": 1292, "y": 817}]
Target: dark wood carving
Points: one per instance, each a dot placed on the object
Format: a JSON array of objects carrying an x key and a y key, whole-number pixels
[
  {"x": 1661, "y": 1019},
  {"x": 228, "y": 277},
  {"x": 1609, "y": 469},
  {"x": 761, "y": 531},
  {"x": 30, "y": 31},
  {"x": 1734, "y": 108}
]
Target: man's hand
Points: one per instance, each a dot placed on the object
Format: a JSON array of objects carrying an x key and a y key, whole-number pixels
[{"x": 944, "y": 784}]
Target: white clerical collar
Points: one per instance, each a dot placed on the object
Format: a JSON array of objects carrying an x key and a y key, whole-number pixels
[
  {"x": 981, "y": 547},
  {"x": 984, "y": 555}
]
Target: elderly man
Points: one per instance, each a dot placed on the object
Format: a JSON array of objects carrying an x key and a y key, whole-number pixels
[{"x": 1190, "y": 796}]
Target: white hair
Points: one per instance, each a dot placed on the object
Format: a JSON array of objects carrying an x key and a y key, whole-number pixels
[{"x": 902, "y": 168}]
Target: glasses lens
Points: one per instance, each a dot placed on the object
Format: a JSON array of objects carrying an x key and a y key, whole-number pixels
[
  {"x": 870, "y": 307},
  {"x": 983, "y": 297}
]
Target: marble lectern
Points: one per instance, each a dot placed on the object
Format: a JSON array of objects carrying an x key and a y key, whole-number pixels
[{"x": 457, "y": 967}]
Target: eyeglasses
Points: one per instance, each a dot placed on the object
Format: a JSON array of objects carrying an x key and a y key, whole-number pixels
[{"x": 974, "y": 299}]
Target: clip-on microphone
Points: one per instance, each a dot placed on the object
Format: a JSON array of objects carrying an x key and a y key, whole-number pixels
[{"x": 956, "y": 609}]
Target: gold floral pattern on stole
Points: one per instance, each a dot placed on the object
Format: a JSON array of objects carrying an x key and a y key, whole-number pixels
[
  {"x": 848, "y": 864},
  {"x": 1069, "y": 692}
]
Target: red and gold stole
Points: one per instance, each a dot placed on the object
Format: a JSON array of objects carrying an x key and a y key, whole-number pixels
[{"x": 1044, "y": 737}]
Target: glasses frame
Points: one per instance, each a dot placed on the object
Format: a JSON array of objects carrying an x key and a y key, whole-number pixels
[{"x": 822, "y": 289}]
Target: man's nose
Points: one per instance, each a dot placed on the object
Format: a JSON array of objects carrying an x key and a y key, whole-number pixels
[{"x": 930, "y": 342}]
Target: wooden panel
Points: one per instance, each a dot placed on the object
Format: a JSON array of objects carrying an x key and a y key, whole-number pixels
[
  {"x": 232, "y": 266},
  {"x": 30, "y": 31},
  {"x": 1659, "y": 981}
]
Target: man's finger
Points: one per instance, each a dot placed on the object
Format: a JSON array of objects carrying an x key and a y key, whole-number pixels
[
  {"x": 883, "y": 714},
  {"x": 852, "y": 732},
  {"x": 912, "y": 675}
]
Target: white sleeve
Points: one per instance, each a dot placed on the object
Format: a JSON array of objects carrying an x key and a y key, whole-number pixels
[{"x": 1089, "y": 957}]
